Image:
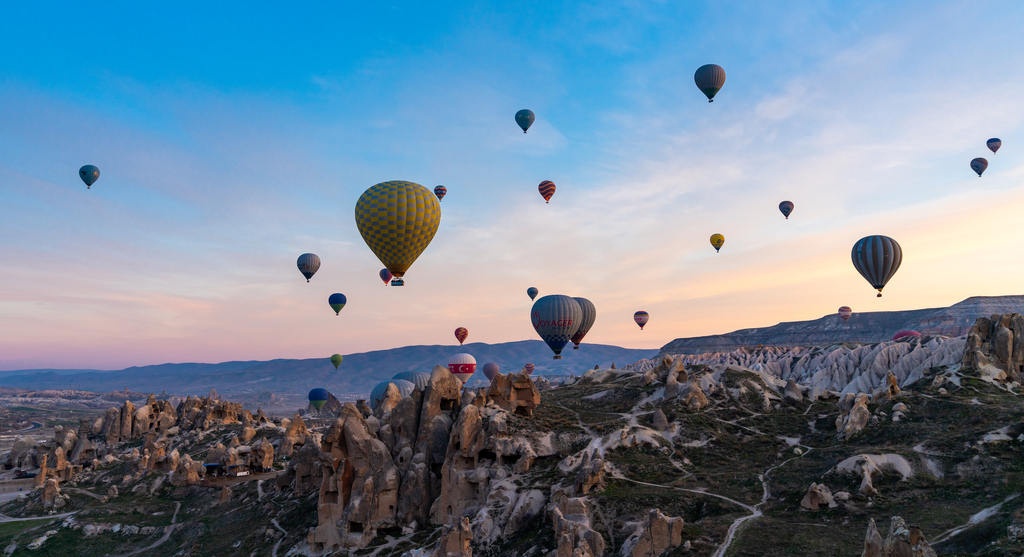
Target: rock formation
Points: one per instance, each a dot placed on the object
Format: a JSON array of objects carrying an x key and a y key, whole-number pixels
[
  {"x": 995, "y": 347},
  {"x": 294, "y": 436},
  {"x": 656, "y": 535},
  {"x": 866, "y": 466},
  {"x": 818, "y": 496},
  {"x": 901, "y": 541}
]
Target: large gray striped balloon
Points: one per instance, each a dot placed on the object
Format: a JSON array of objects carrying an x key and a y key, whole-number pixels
[
  {"x": 308, "y": 264},
  {"x": 877, "y": 258},
  {"x": 556, "y": 318},
  {"x": 586, "y": 322},
  {"x": 709, "y": 79}
]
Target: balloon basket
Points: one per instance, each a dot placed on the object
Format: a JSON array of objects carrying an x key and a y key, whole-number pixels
[
  {"x": 575, "y": 347},
  {"x": 397, "y": 282},
  {"x": 557, "y": 358}
]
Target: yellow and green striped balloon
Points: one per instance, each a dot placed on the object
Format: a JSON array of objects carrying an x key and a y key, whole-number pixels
[{"x": 397, "y": 220}]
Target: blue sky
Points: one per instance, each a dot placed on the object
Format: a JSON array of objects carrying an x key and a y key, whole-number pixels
[{"x": 230, "y": 140}]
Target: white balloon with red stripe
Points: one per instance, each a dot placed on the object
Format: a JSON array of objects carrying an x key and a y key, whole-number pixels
[{"x": 462, "y": 366}]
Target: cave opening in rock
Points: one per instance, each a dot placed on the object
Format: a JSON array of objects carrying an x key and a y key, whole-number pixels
[
  {"x": 509, "y": 458},
  {"x": 488, "y": 455},
  {"x": 355, "y": 527},
  {"x": 436, "y": 469},
  {"x": 449, "y": 404}
]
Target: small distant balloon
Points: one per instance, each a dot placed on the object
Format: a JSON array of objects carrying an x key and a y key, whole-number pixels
[
  {"x": 979, "y": 165},
  {"x": 532, "y": 292},
  {"x": 717, "y": 241},
  {"x": 845, "y": 312},
  {"x": 877, "y": 258},
  {"x": 641, "y": 318},
  {"x": 318, "y": 397},
  {"x": 547, "y": 189},
  {"x": 89, "y": 174},
  {"x": 525, "y": 119},
  {"x": 337, "y": 302},
  {"x": 994, "y": 144},
  {"x": 529, "y": 369},
  {"x": 460, "y": 334},
  {"x": 786, "y": 207},
  {"x": 440, "y": 192},
  {"x": 490, "y": 370},
  {"x": 709, "y": 79},
  {"x": 336, "y": 360},
  {"x": 462, "y": 366},
  {"x": 308, "y": 264},
  {"x": 385, "y": 275}
]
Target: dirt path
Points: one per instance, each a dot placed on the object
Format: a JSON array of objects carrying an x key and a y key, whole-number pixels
[
  {"x": 278, "y": 544},
  {"x": 976, "y": 518},
  {"x": 5, "y": 518},
  {"x": 167, "y": 533}
]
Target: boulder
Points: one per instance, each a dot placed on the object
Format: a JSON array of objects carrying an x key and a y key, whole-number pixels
[
  {"x": 188, "y": 472},
  {"x": 818, "y": 496},
  {"x": 261, "y": 457},
  {"x": 387, "y": 403},
  {"x": 792, "y": 392},
  {"x": 660, "y": 421},
  {"x": 295, "y": 435},
  {"x": 591, "y": 476},
  {"x": 51, "y": 491},
  {"x": 858, "y": 417}
]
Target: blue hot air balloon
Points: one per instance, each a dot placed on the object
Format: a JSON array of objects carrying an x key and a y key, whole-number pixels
[
  {"x": 337, "y": 302},
  {"x": 556, "y": 319},
  {"x": 786, "y": 207},
  {"x": 318, "y": 397},
  {"x": 532, "y": 292},
  {"x": 405, "y": 388},
  {"x": 89, "y": 174},
  {"x": 418, "y": 378},
  {"x": 525, "y": 119}
]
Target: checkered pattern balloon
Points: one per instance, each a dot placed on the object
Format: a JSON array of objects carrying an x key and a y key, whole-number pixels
[{"x": 398, "y": 220}]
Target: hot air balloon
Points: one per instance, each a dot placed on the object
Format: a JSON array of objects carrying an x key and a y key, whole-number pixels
[
  {"x": 337, "y": 301},
  {"x": 877, "y": 258},
  {"x": 641, "y": 318},
  {"x": 440, "y": 192},
  {"x": 547, "y": 189},
  {"x": 385, "y": 275},
  {"x": 460, "y": 334},
  {"x": 845, "y": 312},
  {"x": 589, "y": 315},
  {"x": 532, "y": 292},
  {"x": 419, "y": 378},
  {"x": 318, "y": 397},
  {"x": 490, "y": 370},
  {"x": 994, "y": 144},
  {"x": 717, "y": 241},
  {"x": 786, "y": 207},
  {"x": 525, "y": 119},
  {"x": 905, "y": 334},
  {"x": 405, "y": 388},
  {"x": 89, "y": 174},
  {"x": 336, "y": 360},
  {"x": 979, "y": 165},
  {"x": 709, "y": 79},
  {"x": 529, "y": 369},
  {"x": 556, "y": 319},
  {"x": 308, "y": 264},
  {"x": 462, "y": 366},
  {"x": 398, "y": 220}
]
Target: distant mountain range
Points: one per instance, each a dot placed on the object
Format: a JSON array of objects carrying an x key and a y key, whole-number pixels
[
  {"x": 872, "y": 326},
  {"x": 358, "y": 374}
]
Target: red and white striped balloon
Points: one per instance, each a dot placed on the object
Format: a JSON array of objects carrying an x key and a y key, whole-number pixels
[{"x": 462, "y": 366}]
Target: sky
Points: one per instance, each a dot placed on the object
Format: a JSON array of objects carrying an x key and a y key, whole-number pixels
[{"x": 230, "y": 140}]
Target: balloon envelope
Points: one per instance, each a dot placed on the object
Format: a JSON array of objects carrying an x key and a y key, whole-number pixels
[
  {"x": 490, "y": 370},
  {"x": 532, "y": 292},
  {"x": 440, "y": 192},
  {"x": 462, "y": 366},
  {"x": 89, "y": 174},
  {"x": 717, "y": 241},
  {"x": 641, "y": 318},
  {"x": 385, "y": 275},
  {"x": 979, "y": 165},
  {"x": 529, "y": 369},
  {"x": 556, "y": 318},
  {"x": 405, "y": 388},
  {"x": 308, "y": 264},
  {"x": 461, "y": 333},
  {"x": 525, "y": 119},
  {"x": 786, "y": 207},
  {"x": 397, "y": 220},
  {"x": 994, "y": 144},
  {"x": 589, "y": 316},
  {"x": 337, "y": 302},
  {"x": 546, "y": 189},
  {"x": 336, "y": 360},
  {"x": 418, "y": 378},
  {"x": 904, "y": 334},
  {"x": 877, "y": 258},
  {"x": 709, "y": 79},
  {"x": 845, "y": 312},
  {"x": 318, "y": 397}
]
